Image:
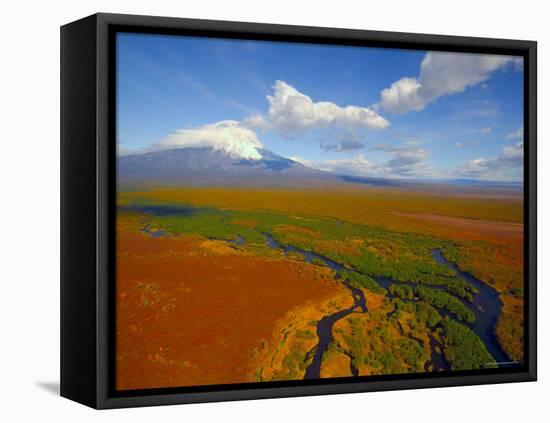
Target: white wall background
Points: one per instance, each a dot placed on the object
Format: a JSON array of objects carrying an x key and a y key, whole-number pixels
[{"x": 29, "y": 167}]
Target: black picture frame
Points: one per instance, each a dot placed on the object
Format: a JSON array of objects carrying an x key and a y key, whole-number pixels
[{"x": 88, "y": 177}]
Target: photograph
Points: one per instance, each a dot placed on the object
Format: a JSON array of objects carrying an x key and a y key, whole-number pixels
[
  {"x": 293, "y": 211},
  {"x": 275, "y": 212}
]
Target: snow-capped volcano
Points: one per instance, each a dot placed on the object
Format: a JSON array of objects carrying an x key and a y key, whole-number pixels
[
  {"x": 217, "y": 165},
  {"x": 227, "y": 136}
]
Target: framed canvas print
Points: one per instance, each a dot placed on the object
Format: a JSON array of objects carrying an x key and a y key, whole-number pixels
[{"x": 256, "y": 211}]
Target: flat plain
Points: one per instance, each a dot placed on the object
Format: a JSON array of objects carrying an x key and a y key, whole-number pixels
[{"x": 229, "y": 285}]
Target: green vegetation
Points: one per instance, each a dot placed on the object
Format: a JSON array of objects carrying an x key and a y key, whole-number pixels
[
  {"x": 404, "y": 292},
  {"x": 294, "y": 364},
  {"x": 411, "y": 351},
  {"x": 426, "y": 315},
  {"x": 360, "y": 281},
  {"x": 460, "y": 291},
  {"x": 332, "y": 350},
  {"x": 423, "y": 317},
  {"x": 369, "y": 250},
  {"x": 517, "y": 292},
  {"x": 207, "y": 223},
  {"x": 377, "y": 348},
  {"x": 368, "y": 347},
  {"x": 441, "y": 299},
  {"x": 305, "y": 334},
  {"x": 401, "y": 305},
  {"x": 463, "y": 349},
  {"x": 318, "y": 262}
]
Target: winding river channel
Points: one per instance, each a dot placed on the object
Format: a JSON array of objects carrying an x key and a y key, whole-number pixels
[
  {"x": 486, "y": 304},
  {"x": 324, "y": 326}
]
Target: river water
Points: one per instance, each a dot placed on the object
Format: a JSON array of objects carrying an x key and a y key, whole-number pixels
[{"x": 487, "y": 307}]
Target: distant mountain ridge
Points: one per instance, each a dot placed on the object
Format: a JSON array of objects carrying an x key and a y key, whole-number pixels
[{"x": 209, "y": 166}]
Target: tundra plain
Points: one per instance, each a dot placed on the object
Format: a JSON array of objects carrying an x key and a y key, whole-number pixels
[{"x": 221, "y": 285}]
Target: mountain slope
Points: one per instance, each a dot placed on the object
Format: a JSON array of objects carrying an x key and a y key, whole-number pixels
[{"x": 208, "y": 166}]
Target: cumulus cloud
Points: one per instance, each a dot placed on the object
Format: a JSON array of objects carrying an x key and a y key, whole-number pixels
[
  {"x": 441, "y": 74},
  {"x": 516, "y": 134},
  {"x": 256, "y": 122},
  {"x": 228, "y": 136},
  {"x": 507, "y": 165},
  {"x": 292, "y": 112},
  {"x": 485, "y": 130}
]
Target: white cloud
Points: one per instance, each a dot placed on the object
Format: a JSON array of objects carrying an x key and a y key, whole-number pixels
[
  {"x": 507, "y": 165},
  {"x": 408, "y": 162},
  {"x": 441, "y": 73},
  {"x": 292, "y": 112},
  {"x": 458, "y": 144},
  {"x": 256, "y": 122},
  {"x": 228, "y": 136},
  {"x": 516, "y": 134},
  {"x": 356, "y": 166},
  {"x": 512, "y": 154},
  {"x": 485, "y": 130},
  {"x": 404, "y": 162},
  {"x": 402, "y": 96}
]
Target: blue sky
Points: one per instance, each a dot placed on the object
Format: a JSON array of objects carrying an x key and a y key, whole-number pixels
[{"x": 349, "y": 110}]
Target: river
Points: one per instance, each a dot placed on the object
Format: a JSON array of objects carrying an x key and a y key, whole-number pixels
[
  {"x": 324, "y": 326},
  {"x": 486, "y": 306}
]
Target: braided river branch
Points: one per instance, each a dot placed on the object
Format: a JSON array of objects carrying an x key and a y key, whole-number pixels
[{"x": 486, "y": 306}]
